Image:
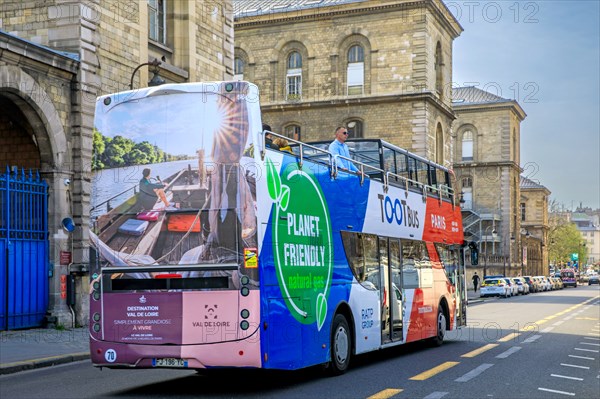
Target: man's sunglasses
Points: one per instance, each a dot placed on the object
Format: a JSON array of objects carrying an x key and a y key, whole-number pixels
[{"x": 345, "y": 133}]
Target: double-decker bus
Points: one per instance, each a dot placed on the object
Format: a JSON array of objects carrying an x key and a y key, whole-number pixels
[{"x": 244, "y": 256}]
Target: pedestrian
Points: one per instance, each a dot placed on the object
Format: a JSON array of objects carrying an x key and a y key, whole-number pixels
[
  {"x": 282, "y": 144},
  {"x": 268, "y": 137},
  {"x": 475, "y": 281},
  {"x": 339, "y": 147}
]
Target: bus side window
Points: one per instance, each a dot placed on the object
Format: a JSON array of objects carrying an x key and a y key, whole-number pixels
[
  {"x": 361, "y": 252},
  {"x": 410, "y": 274},
  {"x": 371, "y": 259}
]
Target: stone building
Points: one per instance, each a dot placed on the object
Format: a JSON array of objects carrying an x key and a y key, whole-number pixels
[
  {"x": 56, "y": 57},
  {"x": 533, "y": 212},
  {"x": 382, "y": 68},
  {"x": 488, "y": 170}
]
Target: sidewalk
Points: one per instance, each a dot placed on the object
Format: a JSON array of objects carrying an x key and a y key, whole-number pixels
[
  {"x": 29, "y": 349},
  {"x": 473, "y": 297}
]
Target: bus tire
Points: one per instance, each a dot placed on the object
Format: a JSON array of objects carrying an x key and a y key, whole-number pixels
[
  {"x": 440, "y": 327},
  {"x": 341, "y": 345}
]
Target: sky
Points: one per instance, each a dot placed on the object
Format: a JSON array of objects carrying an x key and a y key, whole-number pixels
[{"x": 545, "y": 55}]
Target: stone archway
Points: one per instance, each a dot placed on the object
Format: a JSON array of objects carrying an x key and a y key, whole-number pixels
[
  {"x": 41, "y": 114},
  {"x": 32, "y": 118}
]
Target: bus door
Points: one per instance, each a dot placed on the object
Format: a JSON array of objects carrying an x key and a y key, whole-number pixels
[
  {"x": 460, "y": 282},
  {"x": 391, "y": 294}
]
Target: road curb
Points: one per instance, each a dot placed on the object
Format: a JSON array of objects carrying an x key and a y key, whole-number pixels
[{"x": 15, "y": 367}]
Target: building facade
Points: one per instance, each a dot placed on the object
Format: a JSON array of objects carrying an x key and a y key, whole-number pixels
[
  {"x": 588, "y": 224},
  {"x": 381, "y": 68},
  {"x": 488, "y": 170},
  {"x": 533, "y": 212},
  {"x": 56, "y": 57}
]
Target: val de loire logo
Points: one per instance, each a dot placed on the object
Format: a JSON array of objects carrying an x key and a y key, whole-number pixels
[{"x": 302, "y": 242}]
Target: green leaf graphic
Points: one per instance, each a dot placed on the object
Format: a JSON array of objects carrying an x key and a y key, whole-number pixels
[
  {"x": 273, "y": 181},
  {"x": 285, "y": 197},
  {"x": 321, "y": 310}
]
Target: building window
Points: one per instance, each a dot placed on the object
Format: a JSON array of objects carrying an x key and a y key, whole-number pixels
[
  {"x": 294, "y": 76},
  {"x": 355, "y": 129},
  {"x": 356, "y": 70},
  {"x": 439, "y": 63},
  {"x": 467, "y": 146},
  {"x": 156, "y": 20},
  {"x": 439, "y": 144},
  {"x": 467, "y": 192},
  {"x": 523, "y": 213},
  {"x": 238, "y": 65},
  {"x": 293, "y": 132}
]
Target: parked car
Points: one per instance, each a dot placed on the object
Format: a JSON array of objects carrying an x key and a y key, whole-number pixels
[
  {"x": 547, "y": 286},
  {"x": 513, "y": 286},
  {"x": 521, "y": 285},
  {"x": 594, "y": 279},
  {"x": 534, "y": 286},
  {"x": 559, "y": 283},
  {"x": 494, "y": 287}
]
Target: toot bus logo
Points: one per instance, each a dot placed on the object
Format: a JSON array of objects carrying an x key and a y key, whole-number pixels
[{"x": 397, "y": 211}]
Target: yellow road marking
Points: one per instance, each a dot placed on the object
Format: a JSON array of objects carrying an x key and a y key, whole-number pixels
[
  {"x": 431, "y": 372},
  {"x": 509, "y": 337},
  {"x": 386, "y": 393},
  {"x": 480, "y": 350}
]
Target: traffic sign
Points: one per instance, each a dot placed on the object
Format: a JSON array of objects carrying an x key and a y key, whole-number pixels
[{"x": 574, "y": 256}]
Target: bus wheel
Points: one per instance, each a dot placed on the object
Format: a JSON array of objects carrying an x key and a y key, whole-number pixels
[
  {"x": 341, "y": 347},
  {"x": 441, "y": 327}
]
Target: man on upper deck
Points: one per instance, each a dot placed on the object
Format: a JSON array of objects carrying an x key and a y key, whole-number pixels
[{"x": 339, "y": 147}]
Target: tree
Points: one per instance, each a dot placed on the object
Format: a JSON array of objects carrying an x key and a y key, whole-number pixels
[
  {"x": 98, "y": 150},
  {"x": 565, "y": 239}
]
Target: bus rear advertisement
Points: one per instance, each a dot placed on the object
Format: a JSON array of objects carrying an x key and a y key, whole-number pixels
[{"x": 246, "y": 256}]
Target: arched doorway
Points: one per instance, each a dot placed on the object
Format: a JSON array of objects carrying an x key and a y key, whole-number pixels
[{"x": 23, "y": 223}]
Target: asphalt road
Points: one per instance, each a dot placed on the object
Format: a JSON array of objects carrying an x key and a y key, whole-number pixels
[{"x": 543, "y": 345}]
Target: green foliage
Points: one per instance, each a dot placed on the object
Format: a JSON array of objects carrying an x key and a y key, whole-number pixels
[
  {"x": 98, "y": 151},
  {"x": 121, "y": 151},
  {"x": 565, "y": 239}
]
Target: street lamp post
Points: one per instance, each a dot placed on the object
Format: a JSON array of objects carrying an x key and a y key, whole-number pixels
[
  {"x": 156, "y": 79},
  {"x": 486, "y": 248}
]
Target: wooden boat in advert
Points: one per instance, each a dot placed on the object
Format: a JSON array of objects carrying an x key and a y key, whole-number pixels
[{"x": 162, "y": 233}]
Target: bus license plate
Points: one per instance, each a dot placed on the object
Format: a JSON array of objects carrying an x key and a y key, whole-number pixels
[{"x": 169, "y": 362}]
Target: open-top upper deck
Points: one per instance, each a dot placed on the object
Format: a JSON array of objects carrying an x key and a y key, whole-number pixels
[{"x": 380, "y": 160}]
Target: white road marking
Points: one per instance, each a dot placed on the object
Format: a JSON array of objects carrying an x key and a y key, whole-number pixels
[
  {"x": 574, "y": 365},
  {"x": 567, "y": 377},
  {"x": 558, "y": 323},
  {"x": 509, "y": 352},
  {"x": 587, "y": 350},
  {"x": 594, "y": 338},
  {"x": 547, "y": 329},
  {"x": 589, "y": 343},
  {"x": 531, "y": 339},
  {"x": 436, "y": 395},
  {"x": 555, "y": 391},
  {"x": 582, "y": 357},
  {"x": 474, "y": 373}
]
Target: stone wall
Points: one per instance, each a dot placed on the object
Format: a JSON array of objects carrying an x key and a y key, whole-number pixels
[{"x": 399, "y": 101}]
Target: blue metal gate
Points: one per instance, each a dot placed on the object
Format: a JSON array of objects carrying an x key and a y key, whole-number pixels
[{"x": 23, "y": 249}]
